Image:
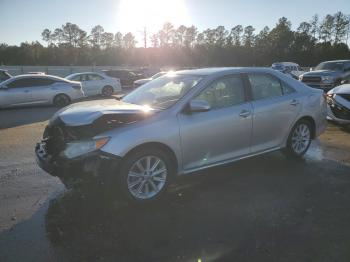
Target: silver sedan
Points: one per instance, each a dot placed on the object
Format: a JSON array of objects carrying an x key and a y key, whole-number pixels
[
  {"x": 181, "y": 123},
  {"x": 35, "y": 89}
]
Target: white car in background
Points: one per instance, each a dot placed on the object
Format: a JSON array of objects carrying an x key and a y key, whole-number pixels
[
  {"x": 289, "y": 68},
  {"x": 338, "y": 100},
  {"x": 140, "y": 82},
  {"x": 39, "y": 89},
  {"x": 96, "y": 84}
]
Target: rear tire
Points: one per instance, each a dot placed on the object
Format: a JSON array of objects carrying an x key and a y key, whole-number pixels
[
  {"x": 61, "y": 100},
  {"x": 145, "y": 175},
  {"x": 299, "y": 139},
  {"x": 107, "y": 91}
]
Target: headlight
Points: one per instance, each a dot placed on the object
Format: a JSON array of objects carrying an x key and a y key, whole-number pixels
[
  {"x": 327, "y": 79},
  {"x": 79, "y": 148}
]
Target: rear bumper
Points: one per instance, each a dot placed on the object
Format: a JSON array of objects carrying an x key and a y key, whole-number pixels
[{"x": 97, "y": 165}]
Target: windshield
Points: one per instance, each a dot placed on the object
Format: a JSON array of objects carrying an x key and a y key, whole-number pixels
[
  {"x": 162, "y": 92},
  {"x": 333, "y": 66}
]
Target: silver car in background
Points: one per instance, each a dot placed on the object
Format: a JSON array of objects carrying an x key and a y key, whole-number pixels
[
  {"x": 178, "y": 124},
  {"x": 38, "y": 89},
  {"x": 96, "y": 83}
]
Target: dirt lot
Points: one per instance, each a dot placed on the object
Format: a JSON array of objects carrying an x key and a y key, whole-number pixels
[{"x": 262, "y": 209}]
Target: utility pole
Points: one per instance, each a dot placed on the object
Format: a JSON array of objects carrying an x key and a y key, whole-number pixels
[
  {"x": 145, "y": 37},
  {"x": 347, "y": 33}
]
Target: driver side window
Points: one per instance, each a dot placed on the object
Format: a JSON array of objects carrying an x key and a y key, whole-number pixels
[{"x": 225, "y": 92}]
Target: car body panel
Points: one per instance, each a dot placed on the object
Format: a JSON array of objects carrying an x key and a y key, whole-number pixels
[
  {"x": 233, "y": 135},
  {"x": 269, "y": 132},
  {"x": 338, "y": 102},
  {"x": 32, "y": 95},
  {"x": 93, "y": 87},
  {"x": 201, "y": 140},
  {"x": 84, "y": 113}
]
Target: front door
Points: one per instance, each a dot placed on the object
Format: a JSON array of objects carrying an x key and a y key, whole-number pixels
[
  {"x": 16, "y": 92},
  {"x": 223, "y": 132}
]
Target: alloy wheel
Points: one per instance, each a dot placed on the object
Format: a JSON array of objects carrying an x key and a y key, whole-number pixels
[
  {"x": 301, "y": 138},
  {"x": 147, "y": 177},
  {"x": 107, "y": 91}
]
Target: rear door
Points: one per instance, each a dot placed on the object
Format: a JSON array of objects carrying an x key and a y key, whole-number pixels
[
  {"x": 42, "y": 90},
  {"x": 276, "y": 106},
  {"x": 95, "y": 84},
  {"x": 223, "y": 132}
]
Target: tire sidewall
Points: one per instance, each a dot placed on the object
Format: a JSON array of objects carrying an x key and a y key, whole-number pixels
[
  {"x": 107, "y": 88},
  {"x": 61, "y": 95},
  {"x": 289, "y": 149},
  {"x": 127, "y": 163}
]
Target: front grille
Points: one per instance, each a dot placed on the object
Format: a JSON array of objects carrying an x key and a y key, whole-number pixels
[
  {"x": 345, "y": 96},
  {"x": 311, "y": 79},
  {"x": 340, "y": 111}
]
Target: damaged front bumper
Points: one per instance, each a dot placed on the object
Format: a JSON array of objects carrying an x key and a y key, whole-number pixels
[
  {"x": 337, "y": 112},
  {"x": 98, "y": 166}
]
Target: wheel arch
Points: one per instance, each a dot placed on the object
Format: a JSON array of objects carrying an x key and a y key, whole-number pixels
[
  {"x": 60, "y": 93},
  {"x": 312, "y": 122},
  {"x": 157, "y": 145}
]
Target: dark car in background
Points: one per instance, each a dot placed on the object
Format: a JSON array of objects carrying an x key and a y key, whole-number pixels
[
  {"x": 142, "y": 81},
  {"x": 327, "y": 75},
  {"x": 4, "y": 75},
  {"x": 127, "y": 77}
]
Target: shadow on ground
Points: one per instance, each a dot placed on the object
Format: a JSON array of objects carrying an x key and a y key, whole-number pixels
[{"x": 262, "y": 209}]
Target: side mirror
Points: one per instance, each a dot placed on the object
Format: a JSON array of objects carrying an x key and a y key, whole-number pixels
[
  {"x": 311, "y": 69},
  {"x": 345, "y": 81},
  {"x": 198, "y": 106}
]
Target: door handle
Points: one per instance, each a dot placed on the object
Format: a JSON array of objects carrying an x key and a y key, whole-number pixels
[
  {"x": 26, "y": 91},
  {"x": 294, "y": 102},
  {"x": 245, "y": 113}
]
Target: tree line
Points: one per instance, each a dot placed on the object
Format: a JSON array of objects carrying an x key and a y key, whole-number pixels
[{"x": 311, "y": 42}]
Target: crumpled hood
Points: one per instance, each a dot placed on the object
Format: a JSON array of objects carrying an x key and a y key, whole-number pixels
[
  {"x": 85, "y": 113},
  {"x": 323, "y": 73}
]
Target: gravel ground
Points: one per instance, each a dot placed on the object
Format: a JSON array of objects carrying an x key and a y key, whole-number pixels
[{"x": 263, "y": 209}]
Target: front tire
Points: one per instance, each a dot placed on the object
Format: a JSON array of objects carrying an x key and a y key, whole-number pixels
[
  {"x": 145, "y": 175},
  {"x": 299, "y": 139}
]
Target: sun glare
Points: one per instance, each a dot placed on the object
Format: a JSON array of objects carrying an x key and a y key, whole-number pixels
[{"x": 134, "y": 15}]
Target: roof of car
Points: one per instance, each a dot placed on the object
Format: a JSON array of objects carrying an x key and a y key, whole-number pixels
[
  {"x": 37, "y": 76},
  {"x": 285, "y": 63},
  {"x": 84, "y": 73},
  {"x": 216, "y": 70},
  {"x": 336, "y": 61}
]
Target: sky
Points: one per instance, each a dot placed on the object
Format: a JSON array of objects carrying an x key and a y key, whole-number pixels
[{"x": 24, "y": 20}]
